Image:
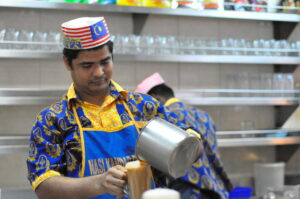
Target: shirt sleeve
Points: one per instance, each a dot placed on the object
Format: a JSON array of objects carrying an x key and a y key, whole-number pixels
[
  {"x": 46, "y": 157},
  {"x": 174, "y": 118}
]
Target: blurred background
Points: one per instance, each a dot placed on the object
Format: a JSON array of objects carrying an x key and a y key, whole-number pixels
[{"x": 237, "y": 60}]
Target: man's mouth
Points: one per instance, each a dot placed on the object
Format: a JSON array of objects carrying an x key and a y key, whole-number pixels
[{"x": 98, "y": 81}]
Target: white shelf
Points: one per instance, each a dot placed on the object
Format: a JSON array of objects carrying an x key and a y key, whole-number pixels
[
  {"x": 27, "y": 96},
  {"x": 147, "y": 10},
  {"x": 18, "y": 144},
  {"x": 234, "y": 101},
  {"x": 210, "y": 59},
  {"x": 242, "y": 142},
  {"x": 14, "y": 144},
  {"x": 206, "y": 97},
  {"x": 270, "y": 137},
  {"x": 27, "y": 54},
  {"x": 23, "y": 54}
]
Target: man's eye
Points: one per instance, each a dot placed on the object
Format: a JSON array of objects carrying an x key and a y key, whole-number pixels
[{"x": 86, "y": 65}]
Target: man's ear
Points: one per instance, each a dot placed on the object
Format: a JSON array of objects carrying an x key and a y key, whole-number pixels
[{"x": 68, "y": 67}]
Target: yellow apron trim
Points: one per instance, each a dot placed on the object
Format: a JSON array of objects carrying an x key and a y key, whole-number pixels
[
  {"x": 44, "y": 177},
  {"x": 191, "y": 131},
  {"x": 81, "y": 173},
  {"x": 131, "y": 116},
  {"x": 141, "y": 124},
  {"x": 171, "y": 101},
  {"x": 109, "y": 129}
]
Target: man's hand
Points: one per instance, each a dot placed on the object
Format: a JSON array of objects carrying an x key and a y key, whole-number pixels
[{"x": 114, "y": 180}]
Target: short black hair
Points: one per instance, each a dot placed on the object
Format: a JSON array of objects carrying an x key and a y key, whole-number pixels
[
  {"x": 72, "y": 54},
  {"x": 162, "y": 90}
]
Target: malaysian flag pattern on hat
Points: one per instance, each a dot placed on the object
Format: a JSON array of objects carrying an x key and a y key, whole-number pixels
[{"x": 85, "y": 33}]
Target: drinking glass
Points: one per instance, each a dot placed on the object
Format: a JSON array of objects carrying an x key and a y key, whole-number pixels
[
  {"x": 213, "y": 45},
  {"x": 2, "y": 34},
  {"x": 139, "y": 178},
  {"x": 254, "y": 83},
  {"x": 125, "y": 44},
  {"x": 164, "y": 47},
  {"x": 147, "y": 45},
  {"x": 186, "y": 46},
  {"x": 11, "y": 35},
  {"x": 231, "y": 46},
  {"x": 117, "y": 44},
  {"x": 224, "y": 45},
  {"x": 39, "y": 41},
  {"x": 25, "y": 37},
  {"x": 53, "y": 39},
  {"x": 266, "y": 80},
  {"x": 134, "y": 44},
  {"x": 267, "y": 47},
  {"x": 275, "y": 45},
  {"x": 284, "y": 45},
  {"x": 256, "y": 48},
  {"x": 200, "y": 46},
  {"x": 172, "y": 45}
]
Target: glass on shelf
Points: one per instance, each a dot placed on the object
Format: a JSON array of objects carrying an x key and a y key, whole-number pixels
[
  {"x": 134, "y": 44},
  {"x": 25, "y": 37},
  {"x": 266, "y": 83},
  {"x": 147, "y": 45},
  {"x": 53, "y": 39},
  {"x": 2, "y": 35},
  {"x": 212, "y": 47},
  {"x": 10, "y": 37},
  {"x": 275, "y": 45},
  {"x": 39, "y": 41},
  {"x": 124, "y": 44},
  {"x": 160, "y": 45},
  {"x": 200, "y": 46}
]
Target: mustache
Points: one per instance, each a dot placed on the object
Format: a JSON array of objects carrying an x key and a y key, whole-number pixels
[{"x": 97, "y": 79}]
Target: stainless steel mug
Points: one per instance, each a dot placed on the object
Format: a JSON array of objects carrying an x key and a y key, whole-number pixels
[{"x": 167, "y": 147}]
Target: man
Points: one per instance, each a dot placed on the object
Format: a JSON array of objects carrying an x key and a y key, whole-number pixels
[
  {"x": 208, "y": 173},
  {"x": 80, "y": 144}
]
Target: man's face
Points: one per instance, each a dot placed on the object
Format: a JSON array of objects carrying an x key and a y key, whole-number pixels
[{"x": 91, "y": 71}]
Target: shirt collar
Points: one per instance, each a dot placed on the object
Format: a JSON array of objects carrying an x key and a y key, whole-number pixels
[
  {"x": 115, "y": 91},
  {"x": 171, "y": 101}
]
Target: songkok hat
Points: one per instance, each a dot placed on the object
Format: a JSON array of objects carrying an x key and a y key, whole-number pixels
[
  {"x": 147, "y": 84},
  {"x": 85, "y": 33}
]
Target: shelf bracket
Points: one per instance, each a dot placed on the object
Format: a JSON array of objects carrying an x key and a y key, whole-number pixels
[
  {"x": 284, "y": 153},
  {"x": 282, "y": 30},
  {"x": 139, "y": 21}
]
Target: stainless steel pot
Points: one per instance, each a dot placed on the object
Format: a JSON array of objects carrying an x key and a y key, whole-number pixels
[{"x": 167, "y": 147}]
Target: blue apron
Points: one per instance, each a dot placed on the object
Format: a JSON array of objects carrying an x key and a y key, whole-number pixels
[{"x": 103, "y": 148}]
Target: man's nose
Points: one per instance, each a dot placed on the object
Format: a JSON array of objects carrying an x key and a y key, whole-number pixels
[{"x": 98, "y": 70}]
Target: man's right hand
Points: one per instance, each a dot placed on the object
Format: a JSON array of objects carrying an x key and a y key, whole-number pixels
[{"x": 114, "y": 180}]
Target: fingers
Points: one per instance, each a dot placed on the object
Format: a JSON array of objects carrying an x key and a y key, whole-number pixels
[
  {"x": 118, "y": 172},
  {"x": 115, "y": 180}
]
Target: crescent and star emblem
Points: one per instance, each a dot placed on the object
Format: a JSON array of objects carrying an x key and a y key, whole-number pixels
[{"x": 97, "y": 30}]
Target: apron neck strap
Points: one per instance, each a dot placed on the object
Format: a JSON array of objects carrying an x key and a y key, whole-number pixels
[
  {"x": 76, "y": 116},
  {"x": 130, "y": 115}
]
